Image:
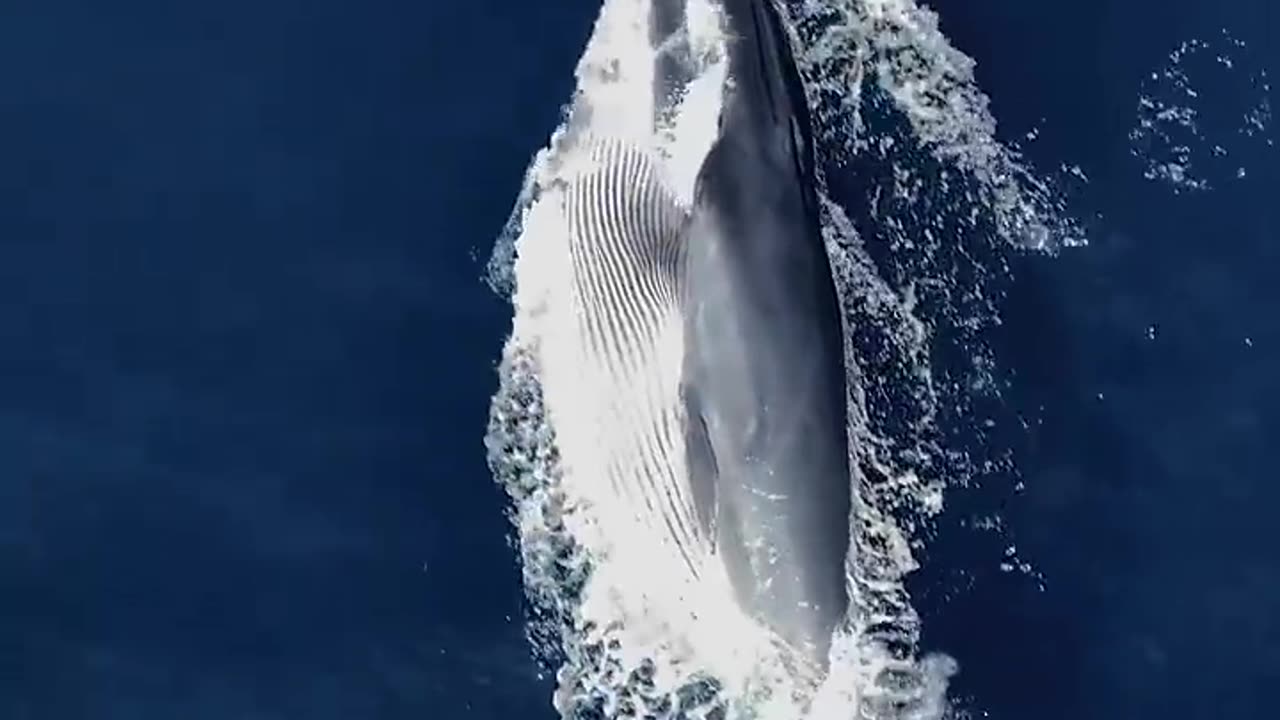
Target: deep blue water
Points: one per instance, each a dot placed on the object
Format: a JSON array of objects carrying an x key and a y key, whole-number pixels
[
  {"x": 1145, "y": 364},
  {"x": 246, "y": 357}
]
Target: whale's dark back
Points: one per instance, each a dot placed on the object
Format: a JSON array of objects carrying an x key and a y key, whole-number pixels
[{"x": 763, "y": 381}]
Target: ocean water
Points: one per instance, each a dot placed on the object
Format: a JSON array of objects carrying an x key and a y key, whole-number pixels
[{"x": 249, "y": 355}]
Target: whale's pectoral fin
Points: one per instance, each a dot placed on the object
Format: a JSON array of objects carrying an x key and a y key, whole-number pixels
[{"x": 701, "y": 461}]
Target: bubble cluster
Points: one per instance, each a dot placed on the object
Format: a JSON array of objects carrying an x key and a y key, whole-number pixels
[{"x": 1203, "y": 117}]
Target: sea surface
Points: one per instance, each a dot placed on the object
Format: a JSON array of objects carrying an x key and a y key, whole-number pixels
[{"x": 247, "y": 354}]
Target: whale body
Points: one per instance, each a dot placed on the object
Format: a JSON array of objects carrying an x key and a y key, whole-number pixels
[{"x": 738, "y": 454}]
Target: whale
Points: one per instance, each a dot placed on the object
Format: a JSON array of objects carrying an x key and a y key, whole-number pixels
[{"x": 736, "y": 451}]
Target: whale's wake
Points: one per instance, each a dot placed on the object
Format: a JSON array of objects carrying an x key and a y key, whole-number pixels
[{"x": 584, "y": 430}]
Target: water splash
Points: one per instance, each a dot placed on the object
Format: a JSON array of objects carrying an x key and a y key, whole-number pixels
[
  {"x": 895, "y": 47},
  {"x": 1204, "y": 116}
]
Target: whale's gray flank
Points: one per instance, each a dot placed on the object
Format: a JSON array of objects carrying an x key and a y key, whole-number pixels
[{"x": 763, "y": 377}]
